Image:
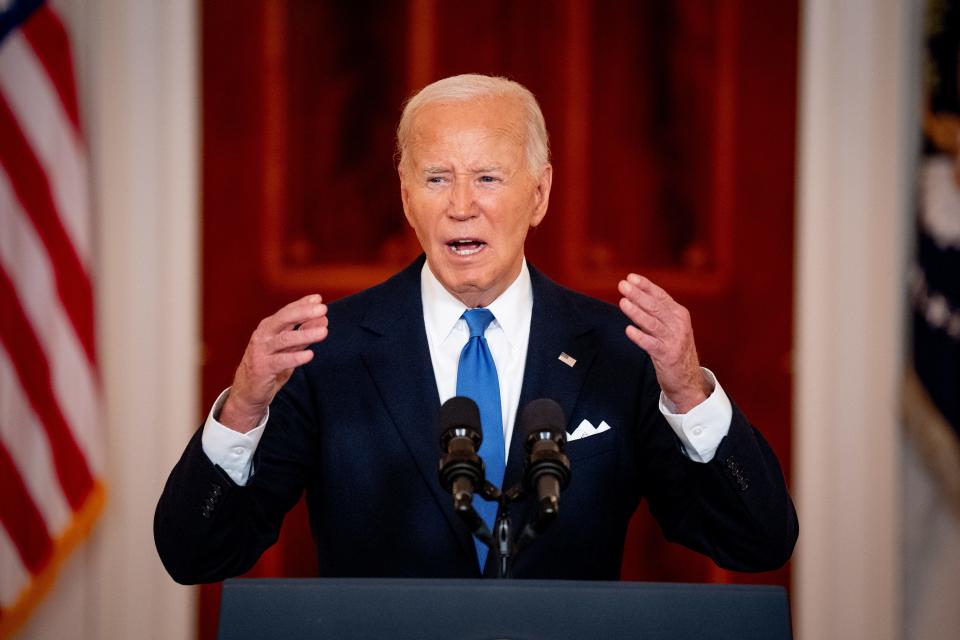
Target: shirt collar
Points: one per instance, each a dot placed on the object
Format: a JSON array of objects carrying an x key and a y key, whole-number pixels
[{"x": 441, "y": 310}]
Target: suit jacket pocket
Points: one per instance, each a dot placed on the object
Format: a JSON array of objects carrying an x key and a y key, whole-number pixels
[{"x": 590, "y": 446}]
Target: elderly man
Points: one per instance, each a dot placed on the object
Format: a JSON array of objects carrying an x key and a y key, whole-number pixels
[{"x": 342, "y": 401}]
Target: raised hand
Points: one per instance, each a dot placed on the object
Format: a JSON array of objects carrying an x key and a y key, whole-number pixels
[
  {"x": 663, "y": 329},
  {"x": 276, "y": 348}
]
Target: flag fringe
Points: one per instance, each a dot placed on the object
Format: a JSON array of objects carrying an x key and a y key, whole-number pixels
[
  {"x": 936, "y": 440},
  {"x": 79, "y": 528}
]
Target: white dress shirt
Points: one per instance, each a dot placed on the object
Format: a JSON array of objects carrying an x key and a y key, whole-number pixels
[
  {"x": 700, "y": 430},
  {"x": 507, "y": 336}
]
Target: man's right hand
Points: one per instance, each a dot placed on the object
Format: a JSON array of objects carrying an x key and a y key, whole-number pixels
[{"x": 276, "y": 348}]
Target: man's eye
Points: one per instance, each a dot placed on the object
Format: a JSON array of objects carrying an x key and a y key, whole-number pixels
[
  {"x": 435, "y": 180},
  {"x": 489, "y": 179}
]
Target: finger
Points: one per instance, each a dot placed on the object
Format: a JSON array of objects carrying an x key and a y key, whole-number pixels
[
  {"x": 645, "y": 300},
  {"x": 290, "y": 340},
  {"x": 648, "y": 286},
  {"x": 300, "y": 311},
  {"x": 295, "y": 313},
  {"x": 280, "y": 362},
  {"x": 648, "y": 343},
  {"x": 647, "y": 322},
  {"x": 322, "y": 321}
]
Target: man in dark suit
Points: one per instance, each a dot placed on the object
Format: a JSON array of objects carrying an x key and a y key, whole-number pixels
[{"x": 349, "y": 415}]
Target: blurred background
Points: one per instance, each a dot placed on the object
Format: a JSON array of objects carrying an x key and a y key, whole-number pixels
[{"x": 786, "y": 170}]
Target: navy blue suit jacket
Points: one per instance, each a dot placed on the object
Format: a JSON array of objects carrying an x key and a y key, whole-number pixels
[{"x": 356, "y": 428}]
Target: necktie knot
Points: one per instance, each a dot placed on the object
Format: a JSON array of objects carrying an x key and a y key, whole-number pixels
[{"x": 478, "y": 320}]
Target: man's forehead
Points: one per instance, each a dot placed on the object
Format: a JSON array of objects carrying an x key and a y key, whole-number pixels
[
  {"x": 501, "y": 115},
  {"x": 480, "y": 165},
  {"x": 473, "y": 151}
]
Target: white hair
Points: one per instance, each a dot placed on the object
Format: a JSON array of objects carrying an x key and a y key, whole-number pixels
[{"x": 472, "y": 86}]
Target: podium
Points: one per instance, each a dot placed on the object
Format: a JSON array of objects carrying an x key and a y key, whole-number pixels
[{"x": 401, "y": 609}]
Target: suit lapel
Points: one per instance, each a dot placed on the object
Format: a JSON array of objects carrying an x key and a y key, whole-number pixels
[
  {"x": 556, "y": 326},
  {"x": 398, "y": 360}
]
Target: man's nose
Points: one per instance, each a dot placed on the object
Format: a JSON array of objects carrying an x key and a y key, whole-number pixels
[{"x": 462, "y": 200}]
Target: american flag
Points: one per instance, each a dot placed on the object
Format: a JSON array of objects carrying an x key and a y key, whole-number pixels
[
  {"x": 932, "y": 391},
  {"x": 50, "y": 444}
]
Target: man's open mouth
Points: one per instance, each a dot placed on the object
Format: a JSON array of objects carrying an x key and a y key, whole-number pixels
[{"x": 466, "y": 246}]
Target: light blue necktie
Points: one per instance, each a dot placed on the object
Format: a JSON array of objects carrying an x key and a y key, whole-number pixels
[{"x": 477, "y": 380}]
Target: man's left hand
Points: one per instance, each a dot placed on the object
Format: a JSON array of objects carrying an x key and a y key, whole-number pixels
[{"x": 663, "y": 329}]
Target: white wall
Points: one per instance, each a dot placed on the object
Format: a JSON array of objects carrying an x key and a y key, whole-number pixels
[
  {"x": 857, "y": 146},
  {"x": 138, "y": 71}
]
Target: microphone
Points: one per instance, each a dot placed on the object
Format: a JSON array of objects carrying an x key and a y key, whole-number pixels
[
  {"x": 548, "y": 468},
  {"x": 461, "y": 469}
]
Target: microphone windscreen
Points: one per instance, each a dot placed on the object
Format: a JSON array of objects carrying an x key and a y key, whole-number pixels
[
  {"x": 459, "y": 411},
  {"x": 543, "y": 415}
]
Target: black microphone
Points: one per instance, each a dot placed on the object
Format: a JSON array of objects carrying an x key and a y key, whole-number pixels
[
  {"x": 548, "y": 468},
  {"x": 461, "y": 469}
]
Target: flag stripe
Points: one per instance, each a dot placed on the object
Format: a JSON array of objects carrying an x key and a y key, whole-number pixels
[
  {"x": 13, "y": 575},
  {"x": 33, "y": 192},
  {"x": 50, "y": 441},
  {"x": 25, "y": 439},
  {"x": 28, "y": 360},
  {"x": 53, "y": 139},
  {"x": 23, "y": 257},
  {"x": 13, "y": 617},
  {"x": 21, "y": 518},
  {"x": 46, "y": 35}
]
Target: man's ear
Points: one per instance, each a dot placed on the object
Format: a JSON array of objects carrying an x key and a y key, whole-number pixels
[
  {"x": 542, "y": 195},
  {"x": 404, "y": 194}
]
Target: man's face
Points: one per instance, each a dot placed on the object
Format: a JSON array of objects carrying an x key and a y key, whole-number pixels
[{"x": 468, "y": 193}]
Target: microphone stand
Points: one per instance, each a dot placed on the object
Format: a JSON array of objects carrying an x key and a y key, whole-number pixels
[
  {"x": 502, "y": 542},
  {"x": 462, "y": 474}
]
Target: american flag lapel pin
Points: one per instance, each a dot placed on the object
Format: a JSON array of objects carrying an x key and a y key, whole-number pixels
[{"x": 567, "y": 359}]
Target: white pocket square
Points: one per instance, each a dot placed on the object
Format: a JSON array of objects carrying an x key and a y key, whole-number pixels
[{"x": 585, "y": 430}]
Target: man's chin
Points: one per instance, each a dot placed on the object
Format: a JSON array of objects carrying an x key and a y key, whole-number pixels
[
  {"x": 471, "y": 293},
  {"x": 465, "y": 289},
  {"x": 460, "y": 278}
]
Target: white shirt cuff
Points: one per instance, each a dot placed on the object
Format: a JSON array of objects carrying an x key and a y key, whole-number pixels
[
  {"x": 231, "y": 450},
  {"x": 702, "y": 428}
]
